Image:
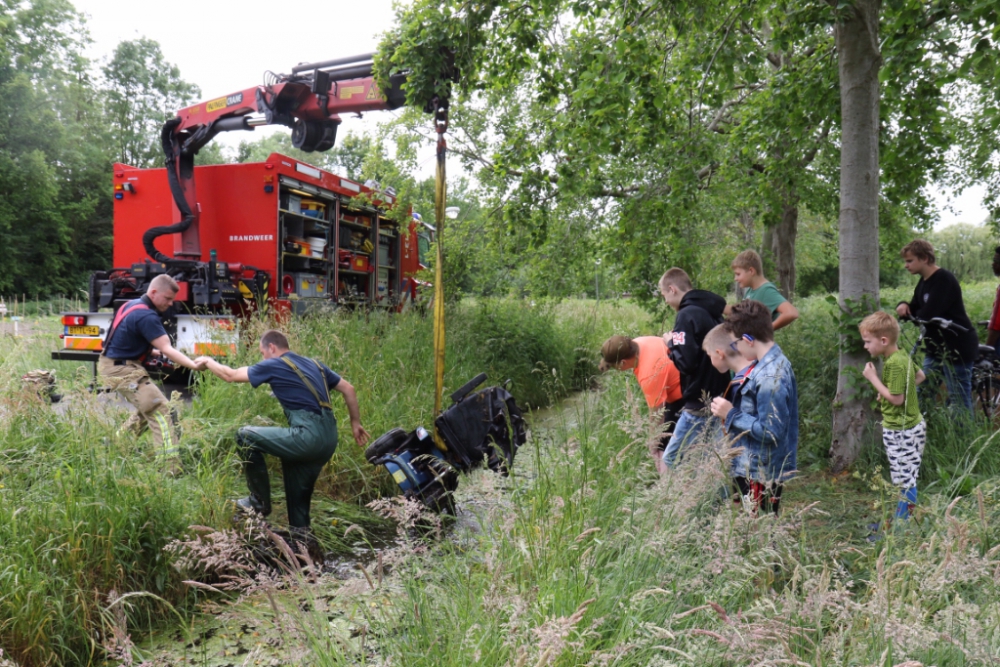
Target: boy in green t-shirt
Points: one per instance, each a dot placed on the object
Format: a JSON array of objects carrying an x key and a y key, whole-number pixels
[
  {"x": 904, "y": 431},
  {"x": 749, "y": 274}
]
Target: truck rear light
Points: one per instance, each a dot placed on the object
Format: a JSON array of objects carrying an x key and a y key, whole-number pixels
[{"x": 74, "y": 320}]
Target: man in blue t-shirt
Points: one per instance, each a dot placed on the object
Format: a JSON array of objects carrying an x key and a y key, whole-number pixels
[
  {"x": 302, "y": 386},
  {"x": 136, "y": 330}
]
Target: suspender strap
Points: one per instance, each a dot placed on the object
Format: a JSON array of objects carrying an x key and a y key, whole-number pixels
[
  {"x": 308, "y": 384},
  {"x": 119, "y": 317}
]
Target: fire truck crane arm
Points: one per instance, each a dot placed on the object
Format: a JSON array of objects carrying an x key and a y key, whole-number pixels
[{"x": 309, "y": 101}]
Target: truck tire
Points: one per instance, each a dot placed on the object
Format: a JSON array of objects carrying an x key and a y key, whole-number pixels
[{"x": 385, "y": 444}]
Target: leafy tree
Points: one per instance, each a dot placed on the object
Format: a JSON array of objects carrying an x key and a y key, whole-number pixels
[
  {"x": 54, "y": 173},
  {"x": 965, "y": 250},
  {"x": 350, "y": 154},
  {"x": 658, "y": 105},
  {"x": 280, "y": 141},
  {"x": 347, "y": 156},
  {"x": 142, "y": 90}
]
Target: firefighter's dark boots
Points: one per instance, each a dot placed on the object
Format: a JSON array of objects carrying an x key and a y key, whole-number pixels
[{"x": 258, "y": 482}]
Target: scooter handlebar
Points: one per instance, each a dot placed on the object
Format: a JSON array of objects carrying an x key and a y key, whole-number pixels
[{"x": 467, "y": 387}]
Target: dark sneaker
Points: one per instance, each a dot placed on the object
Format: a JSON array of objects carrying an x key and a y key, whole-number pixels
[{"x": 251, "y": 505}]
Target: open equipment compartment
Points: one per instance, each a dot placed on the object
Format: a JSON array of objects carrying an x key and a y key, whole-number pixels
[
  {"x": 356, "y": 229},
  {"x": 387, "y": 276},
  {"x": 304, "y": 235}
]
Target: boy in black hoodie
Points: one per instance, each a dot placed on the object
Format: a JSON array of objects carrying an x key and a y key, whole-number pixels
[{"x": 698, "y": 311}]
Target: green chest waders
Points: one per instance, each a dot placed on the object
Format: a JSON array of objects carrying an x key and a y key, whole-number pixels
[{"x": 304, "y": 447}]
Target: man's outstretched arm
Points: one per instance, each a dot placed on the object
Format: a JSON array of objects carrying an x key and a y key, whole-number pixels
[{"x": 224, "y": 372}]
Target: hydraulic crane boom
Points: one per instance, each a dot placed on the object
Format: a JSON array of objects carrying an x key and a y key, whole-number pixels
[{"x": 310, "y": 101}]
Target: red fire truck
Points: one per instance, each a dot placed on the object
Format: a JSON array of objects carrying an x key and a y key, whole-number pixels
[
  {"x": 317, "y": 237},
  {"x": 280, "y": 233}
]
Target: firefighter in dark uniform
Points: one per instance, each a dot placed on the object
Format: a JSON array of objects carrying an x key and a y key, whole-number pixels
[
  {"x": 136, "y": 330},
  {"x": 302, "y": 386}
]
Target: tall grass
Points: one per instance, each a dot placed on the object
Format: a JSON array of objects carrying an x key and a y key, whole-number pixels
[
  {"x": 85, "y": 514},
  {"x": 582, "y": 560},
  {"x": 588, "y": 561}
]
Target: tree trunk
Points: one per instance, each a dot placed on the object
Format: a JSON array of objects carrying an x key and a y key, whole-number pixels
[
  {"x": 783, "y": 245},
  {"x": 767, "y": 248},
  {"x": 859, "y": 61}
]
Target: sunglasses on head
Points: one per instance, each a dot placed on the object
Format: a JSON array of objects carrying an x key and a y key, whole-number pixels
[{"x": 747, "y": 337}]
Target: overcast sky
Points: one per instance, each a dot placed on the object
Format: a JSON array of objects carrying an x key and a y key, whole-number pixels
[
  {"x": 227, "y": 46},
  {"x": 224, "y": 47}
]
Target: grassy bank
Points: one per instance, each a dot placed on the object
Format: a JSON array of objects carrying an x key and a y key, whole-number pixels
[
  {"x": 84, "y": 513},
  {"x": 594, "y": 563},
  {"x": 583, "y": 559}
]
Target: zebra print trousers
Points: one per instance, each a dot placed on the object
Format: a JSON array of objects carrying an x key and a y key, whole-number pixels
[{"x": 905, "y": 448}]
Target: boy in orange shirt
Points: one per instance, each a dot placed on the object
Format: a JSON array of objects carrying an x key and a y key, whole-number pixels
[{"x": 649, "y": 359}]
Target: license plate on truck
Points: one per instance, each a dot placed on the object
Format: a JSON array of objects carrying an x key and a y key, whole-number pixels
[{"x": 83, "y": 331}]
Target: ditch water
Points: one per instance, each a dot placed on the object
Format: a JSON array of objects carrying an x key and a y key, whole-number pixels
[{"x": 281, "y": 625}]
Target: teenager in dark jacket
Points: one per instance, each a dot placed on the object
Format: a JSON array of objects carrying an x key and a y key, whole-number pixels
[
  {"x": 950, "y": 353},
  {"x": 698, "y": 312}
]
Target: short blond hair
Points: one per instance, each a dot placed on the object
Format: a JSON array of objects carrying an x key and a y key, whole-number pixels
[
  {"x": 677, "y": 277},
  {"x": 748, "y": 259},
  {"x": 881, "y": 325},
  {"x": 164, "y": 283},
  {"x": 719, "y": 338}
]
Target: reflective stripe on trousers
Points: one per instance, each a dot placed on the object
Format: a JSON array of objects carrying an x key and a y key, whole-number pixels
[{"x": 133, "y": 383}]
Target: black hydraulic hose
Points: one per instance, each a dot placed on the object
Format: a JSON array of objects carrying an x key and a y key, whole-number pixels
[
  {"x": 174, "y": 155},
  {"x": 170, "y": 150}
]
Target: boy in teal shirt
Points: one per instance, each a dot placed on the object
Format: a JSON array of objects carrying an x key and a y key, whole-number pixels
[
  {"x": 749, "y": 274},
  {"x": 904, "y": 431}
]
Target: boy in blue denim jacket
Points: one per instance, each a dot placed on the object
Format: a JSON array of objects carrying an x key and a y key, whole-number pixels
[
  {"x": 720, "y": 346},
  {"x": 766, "y": 423}
]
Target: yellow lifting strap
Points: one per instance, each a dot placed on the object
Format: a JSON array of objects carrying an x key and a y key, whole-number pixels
[
  {"x": 441, "y": 124},
  {"x": 309, "y": 385}
]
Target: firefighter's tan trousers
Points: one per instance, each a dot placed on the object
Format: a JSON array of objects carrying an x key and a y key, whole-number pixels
[{"x": 152, "y": 408}]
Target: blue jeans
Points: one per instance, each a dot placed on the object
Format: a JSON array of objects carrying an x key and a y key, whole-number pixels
[
  {"x": 690, "y": 428},
  {"x": 957, "y": 380}
]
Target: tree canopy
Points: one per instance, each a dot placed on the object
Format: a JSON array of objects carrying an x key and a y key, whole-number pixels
[
  {"x": 673, "y": 119},
  {"x": 63, "y": 122}
]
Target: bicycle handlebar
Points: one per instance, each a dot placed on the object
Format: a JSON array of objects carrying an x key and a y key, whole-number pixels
[{"x": 939, "y": 322}]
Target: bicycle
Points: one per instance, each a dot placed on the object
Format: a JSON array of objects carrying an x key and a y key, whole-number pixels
[
  {"x": 986, "y": 380},
  {"x": 985, "y": 369}
]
